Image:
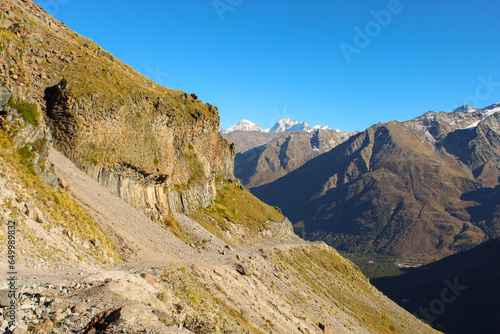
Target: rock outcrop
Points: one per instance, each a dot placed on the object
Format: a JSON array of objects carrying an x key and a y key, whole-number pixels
[
  {"x": 150, "y": 196},
  {"x": 104, "y": 116},
  {"x": 31, "y": 137}
]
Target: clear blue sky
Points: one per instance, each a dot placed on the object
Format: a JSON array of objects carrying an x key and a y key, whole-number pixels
[{"x": 265, "y": 60}]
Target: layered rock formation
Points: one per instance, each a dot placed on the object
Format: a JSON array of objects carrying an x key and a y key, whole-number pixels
[{"x": 110, "y": 120}]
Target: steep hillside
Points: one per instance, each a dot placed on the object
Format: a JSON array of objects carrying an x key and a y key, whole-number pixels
[
  {"x": 419, "y": 190},
  {"x": 156, "y": 148},
  {"x": 471, "y": 307},
  {"x": 127, "y": 216},
  {"x": 266, "y": 163},
  {"x": 212, "y": 277}
]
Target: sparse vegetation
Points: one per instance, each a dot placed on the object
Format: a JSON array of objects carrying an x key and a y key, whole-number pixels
[
  {"x": 202, "y": 311},
  {"x": 28, "y": 111},
  {"x": 57, "y": 205},
  {"x": 237, "y": 205},
  {"x": 173, "y": 226},
  {"x": 336, "y": 280},
  {"x": 25, "y": 154},
  {"x": 195, "y": 168}
]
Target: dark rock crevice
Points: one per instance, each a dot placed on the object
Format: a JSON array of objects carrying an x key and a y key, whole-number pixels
[{"x": 61, "y": 120}]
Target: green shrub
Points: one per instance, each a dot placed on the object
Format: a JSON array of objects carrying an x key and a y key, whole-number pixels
[
  {"x": 25, "y": 154},
  {"x": 27, "y": 110}
]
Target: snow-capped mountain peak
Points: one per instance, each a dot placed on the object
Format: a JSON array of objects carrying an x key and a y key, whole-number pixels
[
  {"x": 288, "y": 124},
  {"x": 466, "y": 108},
  {"x": 283, "y": 125},
  {"x": 323, "y": 127},
  {"x": 244, "y": 125}
]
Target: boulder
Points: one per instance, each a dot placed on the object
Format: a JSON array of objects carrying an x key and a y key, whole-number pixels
[
  {"x": 110, "y": 317},
  {"x": 34, "y": 213},
  {"x": 325, "y": 328},
  {"x": 243, "y": 269},
  {"x": 96, "y": 242},
  {"x": 46, "y": 325},
  {"x": 20, "y": 330}
]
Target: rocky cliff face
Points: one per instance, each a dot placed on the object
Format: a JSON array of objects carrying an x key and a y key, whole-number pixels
[
  {"x": 132, "y": 135},
  {"x": 151, "y": 197},
  {"x": 154, "y": 158},
  {"x": 30, "y": 138}
]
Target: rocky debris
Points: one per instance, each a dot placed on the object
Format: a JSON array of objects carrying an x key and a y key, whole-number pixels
[
  {"x": 103, "y": 320},
  {"x": 4, "y": 298},
  {"x": 42, "y": 306},
  {"x": 46, "y": 325},
  {"x": 34, "y": 213},
  {"x": 20, "y": 330},
  {"x": 243, "y": 269},
  {"x": 325, "y": 328}
]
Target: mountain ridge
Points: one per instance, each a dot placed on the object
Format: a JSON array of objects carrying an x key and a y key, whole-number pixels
[
  {"x": 283, "y": 125},
  {"x": 263, "y": 164},
  {"x": 399, "y": 186}
]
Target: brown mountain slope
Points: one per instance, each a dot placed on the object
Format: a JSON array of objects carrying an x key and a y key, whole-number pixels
[
  {"x": 266, "y": 163},
  {"x": 396, "y": 188},
  {"x": 246, "y": 140},
  {"x": 165, "y": 284}
]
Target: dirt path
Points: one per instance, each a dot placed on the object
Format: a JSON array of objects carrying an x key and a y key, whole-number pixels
[{"x": 143, "y": 242}]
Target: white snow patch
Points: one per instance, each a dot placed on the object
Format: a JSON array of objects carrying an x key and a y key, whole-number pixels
[
  {"x": 473, "y": 125},
  {"x": 244, "y": 125},
  {"x": 491, "y": 112}
]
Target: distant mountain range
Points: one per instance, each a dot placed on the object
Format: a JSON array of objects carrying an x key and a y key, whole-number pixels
[
  {"x": 283, "y": 125},
  {"x": 283, "y": 154},
  {"x": 421, "y": 189},
  {"x": 266, "y": 155}
]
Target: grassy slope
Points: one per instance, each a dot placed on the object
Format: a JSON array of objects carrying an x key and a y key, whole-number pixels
[
  {"x": 117, "y": 111},
  {"x": 60, "y": 211},
  {"x": 234, "y": 204}
]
